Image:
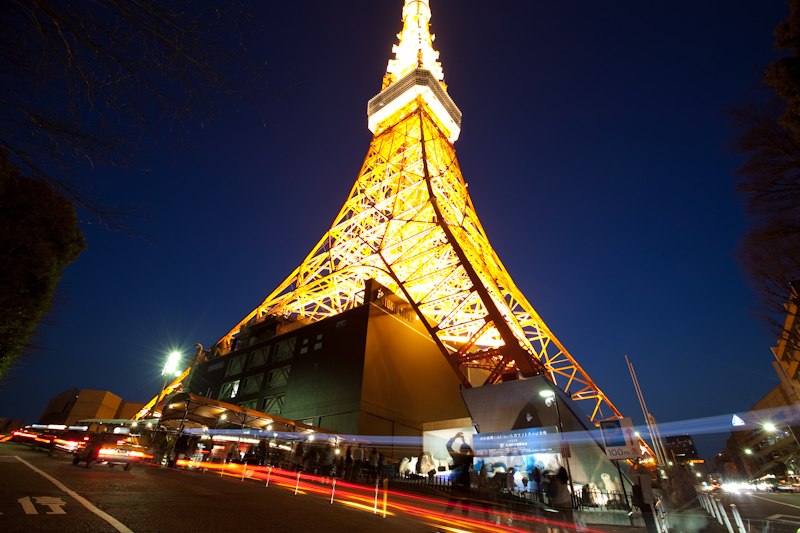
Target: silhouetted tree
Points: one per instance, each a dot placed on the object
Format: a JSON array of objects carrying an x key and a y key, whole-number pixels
[
  {"x": 85, "y": 82},
  {"x": 783, "y": 74},
  {"x": 39, "y": 237},
  {"x": 768, "y": 134}
]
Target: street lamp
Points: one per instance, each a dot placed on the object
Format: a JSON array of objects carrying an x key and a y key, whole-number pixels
[
  {"x": 170, "y": 369},
  {"x": 550, "y": 398},
  {"x": 771, "y": 427}
]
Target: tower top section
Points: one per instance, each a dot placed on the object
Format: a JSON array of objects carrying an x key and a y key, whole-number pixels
[
  {"x": 414, "y": 75},
  {"x": 415, "y": 49}
]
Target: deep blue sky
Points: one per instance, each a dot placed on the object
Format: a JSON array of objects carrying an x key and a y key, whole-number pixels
[{"x": 594, "y": 143}]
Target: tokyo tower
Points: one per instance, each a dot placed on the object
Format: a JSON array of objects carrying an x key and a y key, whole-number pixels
[{"x": 409, "y": 224}]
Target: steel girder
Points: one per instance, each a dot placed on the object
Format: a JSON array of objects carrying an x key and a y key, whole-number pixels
[{"x": 409, "y": 223}]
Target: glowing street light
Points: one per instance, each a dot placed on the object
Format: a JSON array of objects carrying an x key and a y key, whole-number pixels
[
  {"x": 170, "y": 369},
  {"x": 171, "y": 366}
]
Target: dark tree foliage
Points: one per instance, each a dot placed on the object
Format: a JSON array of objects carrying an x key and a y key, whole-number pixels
[
  {"x": 768, "y": 134},
  {"x": 86, "y": 82},
  {"x": 783, "y": 74},
  {"x": 39, "y": 237},
  {"x": 769, "y": 180}
]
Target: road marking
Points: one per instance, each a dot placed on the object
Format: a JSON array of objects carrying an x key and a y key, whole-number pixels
[
  {"x": 119, "y": 526},
  {"x": 52, "y": 502},
  {"x": 789, "y": 518},
  {"x": 27, "y": 505},
  {"x": 775, "y": 501}
]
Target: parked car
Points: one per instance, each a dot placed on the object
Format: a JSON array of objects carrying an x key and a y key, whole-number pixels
[{"x": 111, "y": 449}]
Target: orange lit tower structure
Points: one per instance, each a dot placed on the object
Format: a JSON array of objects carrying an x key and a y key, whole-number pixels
[{"x": 409, "y": 224}]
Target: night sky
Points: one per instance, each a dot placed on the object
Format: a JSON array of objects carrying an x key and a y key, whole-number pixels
[{"x": 596, "y": 149}]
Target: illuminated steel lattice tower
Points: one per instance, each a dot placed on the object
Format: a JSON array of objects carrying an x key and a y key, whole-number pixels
[{"x": 409, "y": 224}]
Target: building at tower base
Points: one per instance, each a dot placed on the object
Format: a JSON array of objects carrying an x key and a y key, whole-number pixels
[{"x": 372, "y": 370}]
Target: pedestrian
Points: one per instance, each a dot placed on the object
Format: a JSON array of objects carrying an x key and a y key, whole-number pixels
[
  {"x": 373, "y": 464},
  {"x": 643, "y": 493},
  {"x": 538, "y": 479},
  {"x": 348, "y": 463},
  {"x": 297, "y": 457},
  {"x": 461, "y": 461},
  {"x": 358, "y": 462},
  {"x": 562, "y": 499}
]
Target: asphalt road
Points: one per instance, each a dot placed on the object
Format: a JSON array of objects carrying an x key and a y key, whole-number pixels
[
  {"x": 765, "y": 506},
  {"x": 150, "y": 499}
]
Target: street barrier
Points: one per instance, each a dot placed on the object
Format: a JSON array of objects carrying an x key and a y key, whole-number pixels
[
  {"x": 724, "y": 515},
  {"x": 738, "y": 519}
]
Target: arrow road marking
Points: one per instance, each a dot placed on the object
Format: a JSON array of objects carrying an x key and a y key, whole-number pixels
[
  {"x": 119, "y": 526},
  {"x": 27, "y": 505}
]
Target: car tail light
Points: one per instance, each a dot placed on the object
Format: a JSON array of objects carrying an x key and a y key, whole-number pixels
[{"x": 108, "y": 451}]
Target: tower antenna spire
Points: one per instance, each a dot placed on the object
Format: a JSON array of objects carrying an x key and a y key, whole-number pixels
[{"x": 415, "y": 49}]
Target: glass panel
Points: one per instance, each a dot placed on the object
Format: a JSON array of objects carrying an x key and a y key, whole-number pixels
[
  {"x": 235, "y": 366},
  {"x": 252, "y": 384},
  {"x": 278, "y": 377},
  {"x": 229, "y": 390},
  {"x": 284, "y": 350},
  {"x": 258, "y": 358}
]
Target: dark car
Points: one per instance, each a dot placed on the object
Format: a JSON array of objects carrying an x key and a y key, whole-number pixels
[
  {"x": 111, "y": 449},
  {"x": 71, "y": 441}
]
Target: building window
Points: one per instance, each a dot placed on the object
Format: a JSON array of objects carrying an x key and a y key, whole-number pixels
[
  {"x": 341, "y": 323},
  {"x": 284, "y": 350},
  {"x": 273, "y": 404},
  {"x": 252, "y": 404},
  {"x": 319, "y": 337},
  {"x": 235, "y": 366},
  {"x": 252, "y": 384},
  {"x": 317, "y": 346},
  {"x": 229, "y": 390},
  {"x": 278, "y": 377},
  {"x": 215, "y": 366},
  {"x": 258, "y": 358}
]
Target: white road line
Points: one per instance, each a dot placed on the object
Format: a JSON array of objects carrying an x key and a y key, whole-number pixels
[
  {"x": 774, "y": 501},
  {"x": 119, "y": 526}
]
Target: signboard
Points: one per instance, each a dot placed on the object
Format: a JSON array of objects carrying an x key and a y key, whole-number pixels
[
  {"x": 620, "y": 439},
  {"x": 737, "y": 421},
  {"x": 518, "y": 442}
]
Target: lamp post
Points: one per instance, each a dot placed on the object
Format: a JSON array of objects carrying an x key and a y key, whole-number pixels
[{"x": 550, "y": 396}]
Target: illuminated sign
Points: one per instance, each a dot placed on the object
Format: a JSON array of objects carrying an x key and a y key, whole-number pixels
[
  {"x": 736, "y": 421},
  {"x": 517, "y": 442}
]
